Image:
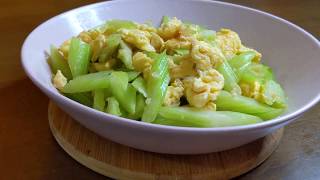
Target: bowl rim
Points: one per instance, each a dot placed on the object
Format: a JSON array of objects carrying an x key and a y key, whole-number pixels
[{"x": 125, "y": 121}]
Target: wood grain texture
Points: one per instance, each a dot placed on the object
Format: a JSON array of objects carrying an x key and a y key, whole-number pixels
[{"x": 121, "y": 162}]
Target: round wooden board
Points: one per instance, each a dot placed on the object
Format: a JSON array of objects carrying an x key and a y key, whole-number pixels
[{"x": 121, "y": 162}]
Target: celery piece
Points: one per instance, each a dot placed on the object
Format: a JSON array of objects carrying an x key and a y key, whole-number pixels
[
  {"x": 125, "y": 55},
  {"x": 240, "y": 62},
  {"x": 140, "y": 104},
  {"x": 237, "y": 103},
  {"x": 113, "y": 26},
  {"x": 112, "y": 44},
  {"x": 156, "y": 87},
  {"x": 132, "y": 75},
  {"x": 122, "y": 91},
  {"x": 206, "y": 35},
  {"x": 140, "y": 85},
  {"x": 256, "y": 72},
  {"x": 165, "y": 20},
  {"x": 193, "y": 117},
  {"x": 82, "y": 98},
  {"x": 98, "y": 100},
  {"x": 88, "y": 82},
  {"x": 113, "y": 107},
  {"x": 57, "y": 62},
  {"x": 79, "y": 57},
  {"x": 181, "y": 52},
  {"x": 230, "y": 78},
  {"x": 273, "y": 94}
]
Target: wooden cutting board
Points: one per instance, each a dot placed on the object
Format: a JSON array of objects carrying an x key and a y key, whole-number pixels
[{"x": 121, "y": 162}]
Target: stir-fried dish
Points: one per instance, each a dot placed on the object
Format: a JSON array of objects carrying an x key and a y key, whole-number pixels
[{"x": 178, "y": 74}]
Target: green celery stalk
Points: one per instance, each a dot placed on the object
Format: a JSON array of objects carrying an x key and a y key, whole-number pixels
[
  {"x": 156, "y": 87},
  {"x": 125, "y": 55},
  {"x": 181, "y": 52},
  {"x": 193, "y": 117},
  {"x": 132, "y": 75},
  {"x": 79, "y": 57},
  {"x": 113, "y": 107},
  {"x": 140, "y": 85},
  {"x": 237, "y": 103},
  {"x": 113, "y": 26},
  {"x": 112, "y": 44},
  {"x": 99, "y": 100},
  {"x": 82, "y": 98},
  {"x": 240, "y": 62},
  {"x": 165, "y": 20},
  {"x": 122, "y": 91},
  {"x": 140, "y": 104},
  {"x": 230, "y": 78},
  {"x": 256, "y": 72},
  {"x": 88, "y": 82},
  {"x": 273, "y": 94},
  {"x": 57, "y": 62}
]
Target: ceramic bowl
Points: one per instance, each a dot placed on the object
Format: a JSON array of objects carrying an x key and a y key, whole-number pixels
[{"x": 291, "y": 52}]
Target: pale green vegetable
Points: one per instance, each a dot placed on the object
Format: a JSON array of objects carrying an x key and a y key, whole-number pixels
[
  {"x": 57, "y": 62},
  {"x": 123, "y": 92},
  {"x": 125, "y": 55},
  {"x": 113, "y": 26},
  {"x": 237, "y": 103},
  {"x": 140, "y": 104},
  {"x": 112, "y": 44},
  {"x": 113, "y": 107},
  {"x": 99, "y": 100},
  {"x": 240, "y": 62},
  {"x": 79, "y": 57},
  {"x": 156, "y": 87},
  {"x": 193, "y": 117},
  {"x": 140, "y": 85},
  {"x": 82, "y": 98},
  {"x": 273, "y": 94},
  {"x": 230, "y": 78},
  {"x": 88, "y": 82}
]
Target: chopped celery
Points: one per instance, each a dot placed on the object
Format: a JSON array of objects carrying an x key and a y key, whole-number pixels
[
  {"x": 122, "y": 91},
  {"x": 165, "y": 19},
  {"x": 114, "y": 25},
  {"x": 57, "y": 62},
  {"x": 230, "y": 78},
  {"x": 182, "y": 52},
  {"x": 112, "y": 42},
  {"x": 237, "y": 103},
  {"x": 79, "y": 57},
  {"x": 140, "y": 86},
  {"x": 240, "y": 62},
  {"x": 156, "y": 87},
  {"x": 113, "y": 107},
  {"x": 193, "y": 117},
  {"x": 99, "y": 100},
  {"x": 273, "y": 94},
  {"x": 132, "y": 75},
  {"x": 88, "y": 82},
  {"x": 140, "y": 104},
  {"x": 206, "y": 35},
  {"x": 125, "y": 55},
  {"x": 82, "y": 98},
  {"x": 256, "y": 72}
]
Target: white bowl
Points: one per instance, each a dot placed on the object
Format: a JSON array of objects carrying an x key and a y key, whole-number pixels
[{"x": 291, "y": 51}]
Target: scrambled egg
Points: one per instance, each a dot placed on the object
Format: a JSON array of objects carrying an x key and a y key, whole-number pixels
[
  {"x": 59, "y": 81},
  {"x": 201, "y": 92},
  {"x": 64, "y": 48},
  {"x": 177, "y": 43},
  {"x": 184, "y": 68},
  {"x": 205, "y": 56},
  {"x": 156, "y": 41},
  {"x": 253, "y": 91},
  {"x": 138, "y": 38},
  {"x": 142, "y": 63},
  {"x": 104, "y": 66},
  {"x": 174, "y": 93},
  {"x": 230, "y": 44},
  {"x": 171, "y": 29},
  {"x": 146, "y": 27}
]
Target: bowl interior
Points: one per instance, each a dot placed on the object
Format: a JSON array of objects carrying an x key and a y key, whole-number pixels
[{"x": 292, "y": 53}]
